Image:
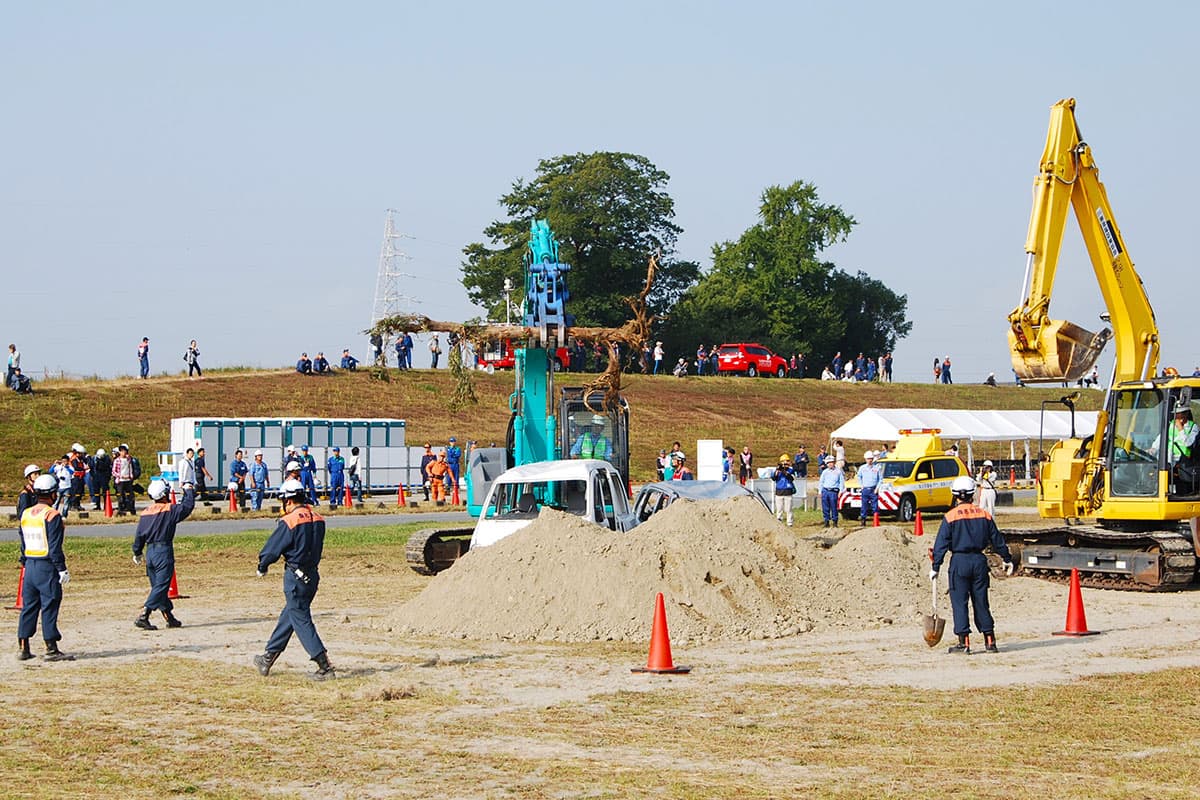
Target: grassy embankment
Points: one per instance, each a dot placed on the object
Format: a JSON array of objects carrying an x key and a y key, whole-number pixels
[{"x": 772, "y": 416}]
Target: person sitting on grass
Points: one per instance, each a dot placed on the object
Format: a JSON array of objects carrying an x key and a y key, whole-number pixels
[
  {"x": 20, "y": 383},
  {"x": 320, "y": 364},
  {"x": 304, "y": 366},
  {"x": 348, "y": 361}
]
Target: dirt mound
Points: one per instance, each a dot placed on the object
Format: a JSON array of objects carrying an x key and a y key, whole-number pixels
[{"x": 727, "y": 569}]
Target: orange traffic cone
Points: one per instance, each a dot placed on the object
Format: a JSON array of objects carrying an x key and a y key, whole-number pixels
[
  {"x": 1076, "y": 620},
  {"x": 173, "y": 500},
  {"x": 400, "y": 501},
  {"x": 108, "y": 509},
  {"x": 232, "y": 501},
  {"x": 918, "y": 526},
  {"x": 660, "y": 661},
  {"x": 173, "y": 592},
  {"x": 20, "y": 601},
  {"x": 349, "y": 498},
  {"x": 876, "y": 518},
  {"x": 1012, "y": 475},
  {"x": 454, "y": 497}
]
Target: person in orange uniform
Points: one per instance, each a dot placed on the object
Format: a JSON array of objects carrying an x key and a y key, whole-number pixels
[{"x": 438, "y": 470}]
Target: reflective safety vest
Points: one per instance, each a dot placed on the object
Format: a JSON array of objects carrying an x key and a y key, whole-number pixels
[
  {"x": 1182, "y": 441},
  {"x": 592, "y": 446},
  {"x": 33, "y": 530}
]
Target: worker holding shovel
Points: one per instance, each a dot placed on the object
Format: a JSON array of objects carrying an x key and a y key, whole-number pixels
[{"x": 966, "y": 530}]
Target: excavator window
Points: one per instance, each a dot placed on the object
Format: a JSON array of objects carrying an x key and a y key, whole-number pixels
[{"x": 1139, "y": 422}]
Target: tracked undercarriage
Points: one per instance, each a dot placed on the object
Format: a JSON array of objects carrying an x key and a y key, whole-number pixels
[
  {"x": 1148, "y": 561},
  {"x": 431, "y": 550}
]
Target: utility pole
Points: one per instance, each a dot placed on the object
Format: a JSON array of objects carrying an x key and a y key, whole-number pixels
[{"x": 389, "y": 299}]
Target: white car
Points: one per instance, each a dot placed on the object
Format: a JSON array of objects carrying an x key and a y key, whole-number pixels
[{"x": 587, "y": 488}]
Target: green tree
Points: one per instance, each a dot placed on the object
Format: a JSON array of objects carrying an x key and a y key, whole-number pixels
[
  {"x": 609, "y": 212},
  {"x": 772, "y": 286}
]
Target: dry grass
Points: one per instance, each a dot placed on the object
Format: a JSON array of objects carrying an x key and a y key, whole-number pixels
[
  {"x": 772, "y": 416},
  {"x": 145, "y": 718}
]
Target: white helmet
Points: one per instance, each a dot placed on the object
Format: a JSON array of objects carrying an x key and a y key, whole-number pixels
[
  {"x": 258, "y": 452},
  {"x": 45, "y": 484},
  {"x": 292, "y": 466},
  {"x": 158, "y": 489},
  {"x": 291, "y": 488},
  {"x": 100, "y": 452},
  {"x": 78, "y": 448},
  {"x": 32, "y": 468},
  {"x": 868, "y": 454},
  {"x": 963, "y": 487},
  {"x": 988, "y": 463}
]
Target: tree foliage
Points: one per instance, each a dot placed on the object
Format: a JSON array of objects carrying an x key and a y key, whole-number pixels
[
  {"x": 772, "y": 286},
  {"x": 609, "y": 211}
]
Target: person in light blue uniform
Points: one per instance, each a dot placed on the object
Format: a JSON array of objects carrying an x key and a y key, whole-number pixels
[
  {"x": 832, "y": 483},
  {"x": 337, "y": 477},
  {"x": 260, "y": 480},
  {"x": 308, "y": 471},
  {"x": 237, "y": 475},
  {"x": 869, "y": 476}
]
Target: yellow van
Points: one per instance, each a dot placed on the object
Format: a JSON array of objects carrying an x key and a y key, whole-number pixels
[{"x": 916, "y": 476}]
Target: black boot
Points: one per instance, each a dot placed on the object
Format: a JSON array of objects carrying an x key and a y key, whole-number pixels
[
  {"x": 265, "y": 662},
  {"x": 989, "y": 643},
  {"x": 144, "y": 622},
  {"x": 23, "y": 653},
  {"x": 324, "y": 668},
  {"x": 54, "y": 654},
  {"x": 172, "y": 622},
  {"x": 963, "y": 647}
]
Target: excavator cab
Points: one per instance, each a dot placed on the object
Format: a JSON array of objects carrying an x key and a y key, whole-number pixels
[{"x": 1059, "y": 351}]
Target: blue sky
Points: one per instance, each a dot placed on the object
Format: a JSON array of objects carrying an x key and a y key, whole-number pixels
[{"x": 220, "y": 171}]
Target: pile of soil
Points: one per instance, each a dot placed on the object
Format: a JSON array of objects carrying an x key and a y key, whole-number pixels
[{"x": 728, "y": 571}]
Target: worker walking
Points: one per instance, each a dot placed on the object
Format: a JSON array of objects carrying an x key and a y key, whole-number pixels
[
  {"x": 298, "y": 539},
  {"x": 869, "y": 476},
  {"x": 337, "y": 477},
  {"x": 832, "y": 484},
  {"x": 987, "y": 488},
  {"x": 41, "y": 534},
  {"x": 156, "y": 536},
  {"x": 785, "y": 488},
  {"x": 966, "y": 530}
]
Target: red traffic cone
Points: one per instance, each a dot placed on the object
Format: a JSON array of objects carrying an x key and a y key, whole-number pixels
[
  {"x": 454, "y": 497},
  {"x": 918, "y": 526},
  {"x": 876, "y": 520},
  {"x": 173, "y": 500},
  {"x": 20, "y": 601},
  {"x": 108, "y": 509},
  {"x": 660, "y": 661},
  {"x": 349, "y": 498},
  {"x": 1076, "y": 620},
  {"x": 232, "y": 501},
  {"x": 173, "y": 592},
  {"x": 400, "y": 501},
  {"x": 1012, "y": 475}
]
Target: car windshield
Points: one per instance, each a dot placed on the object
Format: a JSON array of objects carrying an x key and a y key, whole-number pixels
[
  {"x": 897, "y": 469},
  {"x": 524, "y": 500},
  {"x": 730, "y": 350}
]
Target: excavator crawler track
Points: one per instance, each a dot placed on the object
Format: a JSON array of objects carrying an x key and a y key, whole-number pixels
[
  {"x": 1148, "y": 561},
  {"x": 431, "y": 550}
]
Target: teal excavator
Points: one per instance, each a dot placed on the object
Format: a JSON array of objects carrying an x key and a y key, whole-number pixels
[{"x": 544, "y": 422}]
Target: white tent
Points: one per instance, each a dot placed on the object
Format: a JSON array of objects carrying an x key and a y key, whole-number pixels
[{"x": 883, "y": 425}]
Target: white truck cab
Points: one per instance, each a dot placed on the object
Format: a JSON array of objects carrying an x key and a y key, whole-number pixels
[{"x": 587, "y": 488}]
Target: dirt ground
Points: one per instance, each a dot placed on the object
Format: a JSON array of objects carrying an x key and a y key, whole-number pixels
[{"x": 554, "y": 711}]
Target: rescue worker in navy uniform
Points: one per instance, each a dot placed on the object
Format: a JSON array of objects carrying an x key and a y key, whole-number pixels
[
  {"x": 298, "y": 539},
  {"x": 156, "y": 535},
  {"x": 337, "y": 477},
  {"x": 41, "y": 536},
  {"x": 966, "y": 530},
  {"x": 308, "y": 469}
]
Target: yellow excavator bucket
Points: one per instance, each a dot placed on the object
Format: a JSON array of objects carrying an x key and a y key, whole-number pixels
[{"x": 1061, "y": 351}]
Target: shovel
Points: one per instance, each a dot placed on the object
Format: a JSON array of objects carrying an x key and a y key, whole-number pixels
[{"x": 934, "y": 625}]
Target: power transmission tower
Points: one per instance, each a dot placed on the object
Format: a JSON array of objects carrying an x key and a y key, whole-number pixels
[{"x": 389, "y": 299}]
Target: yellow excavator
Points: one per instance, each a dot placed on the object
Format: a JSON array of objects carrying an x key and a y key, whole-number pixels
[{"x": 1128, "y": 493}]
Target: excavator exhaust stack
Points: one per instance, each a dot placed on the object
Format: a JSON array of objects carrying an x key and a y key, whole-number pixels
[{"x": 1062, "y": 351}]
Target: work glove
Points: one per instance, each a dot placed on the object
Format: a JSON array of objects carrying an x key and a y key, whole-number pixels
[
  {"x": 933, "y": 574},
  {"x": 137, "y": 560},
  {"x": 64, "y": 577},
  {"x": 1009, "y": 566}
]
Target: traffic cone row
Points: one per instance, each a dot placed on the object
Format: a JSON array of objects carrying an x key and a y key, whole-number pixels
[
  {"x": 20, "y": 601},
  {"x": 1076, "y": 619},
  {"x": 659, "y": 661}
]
